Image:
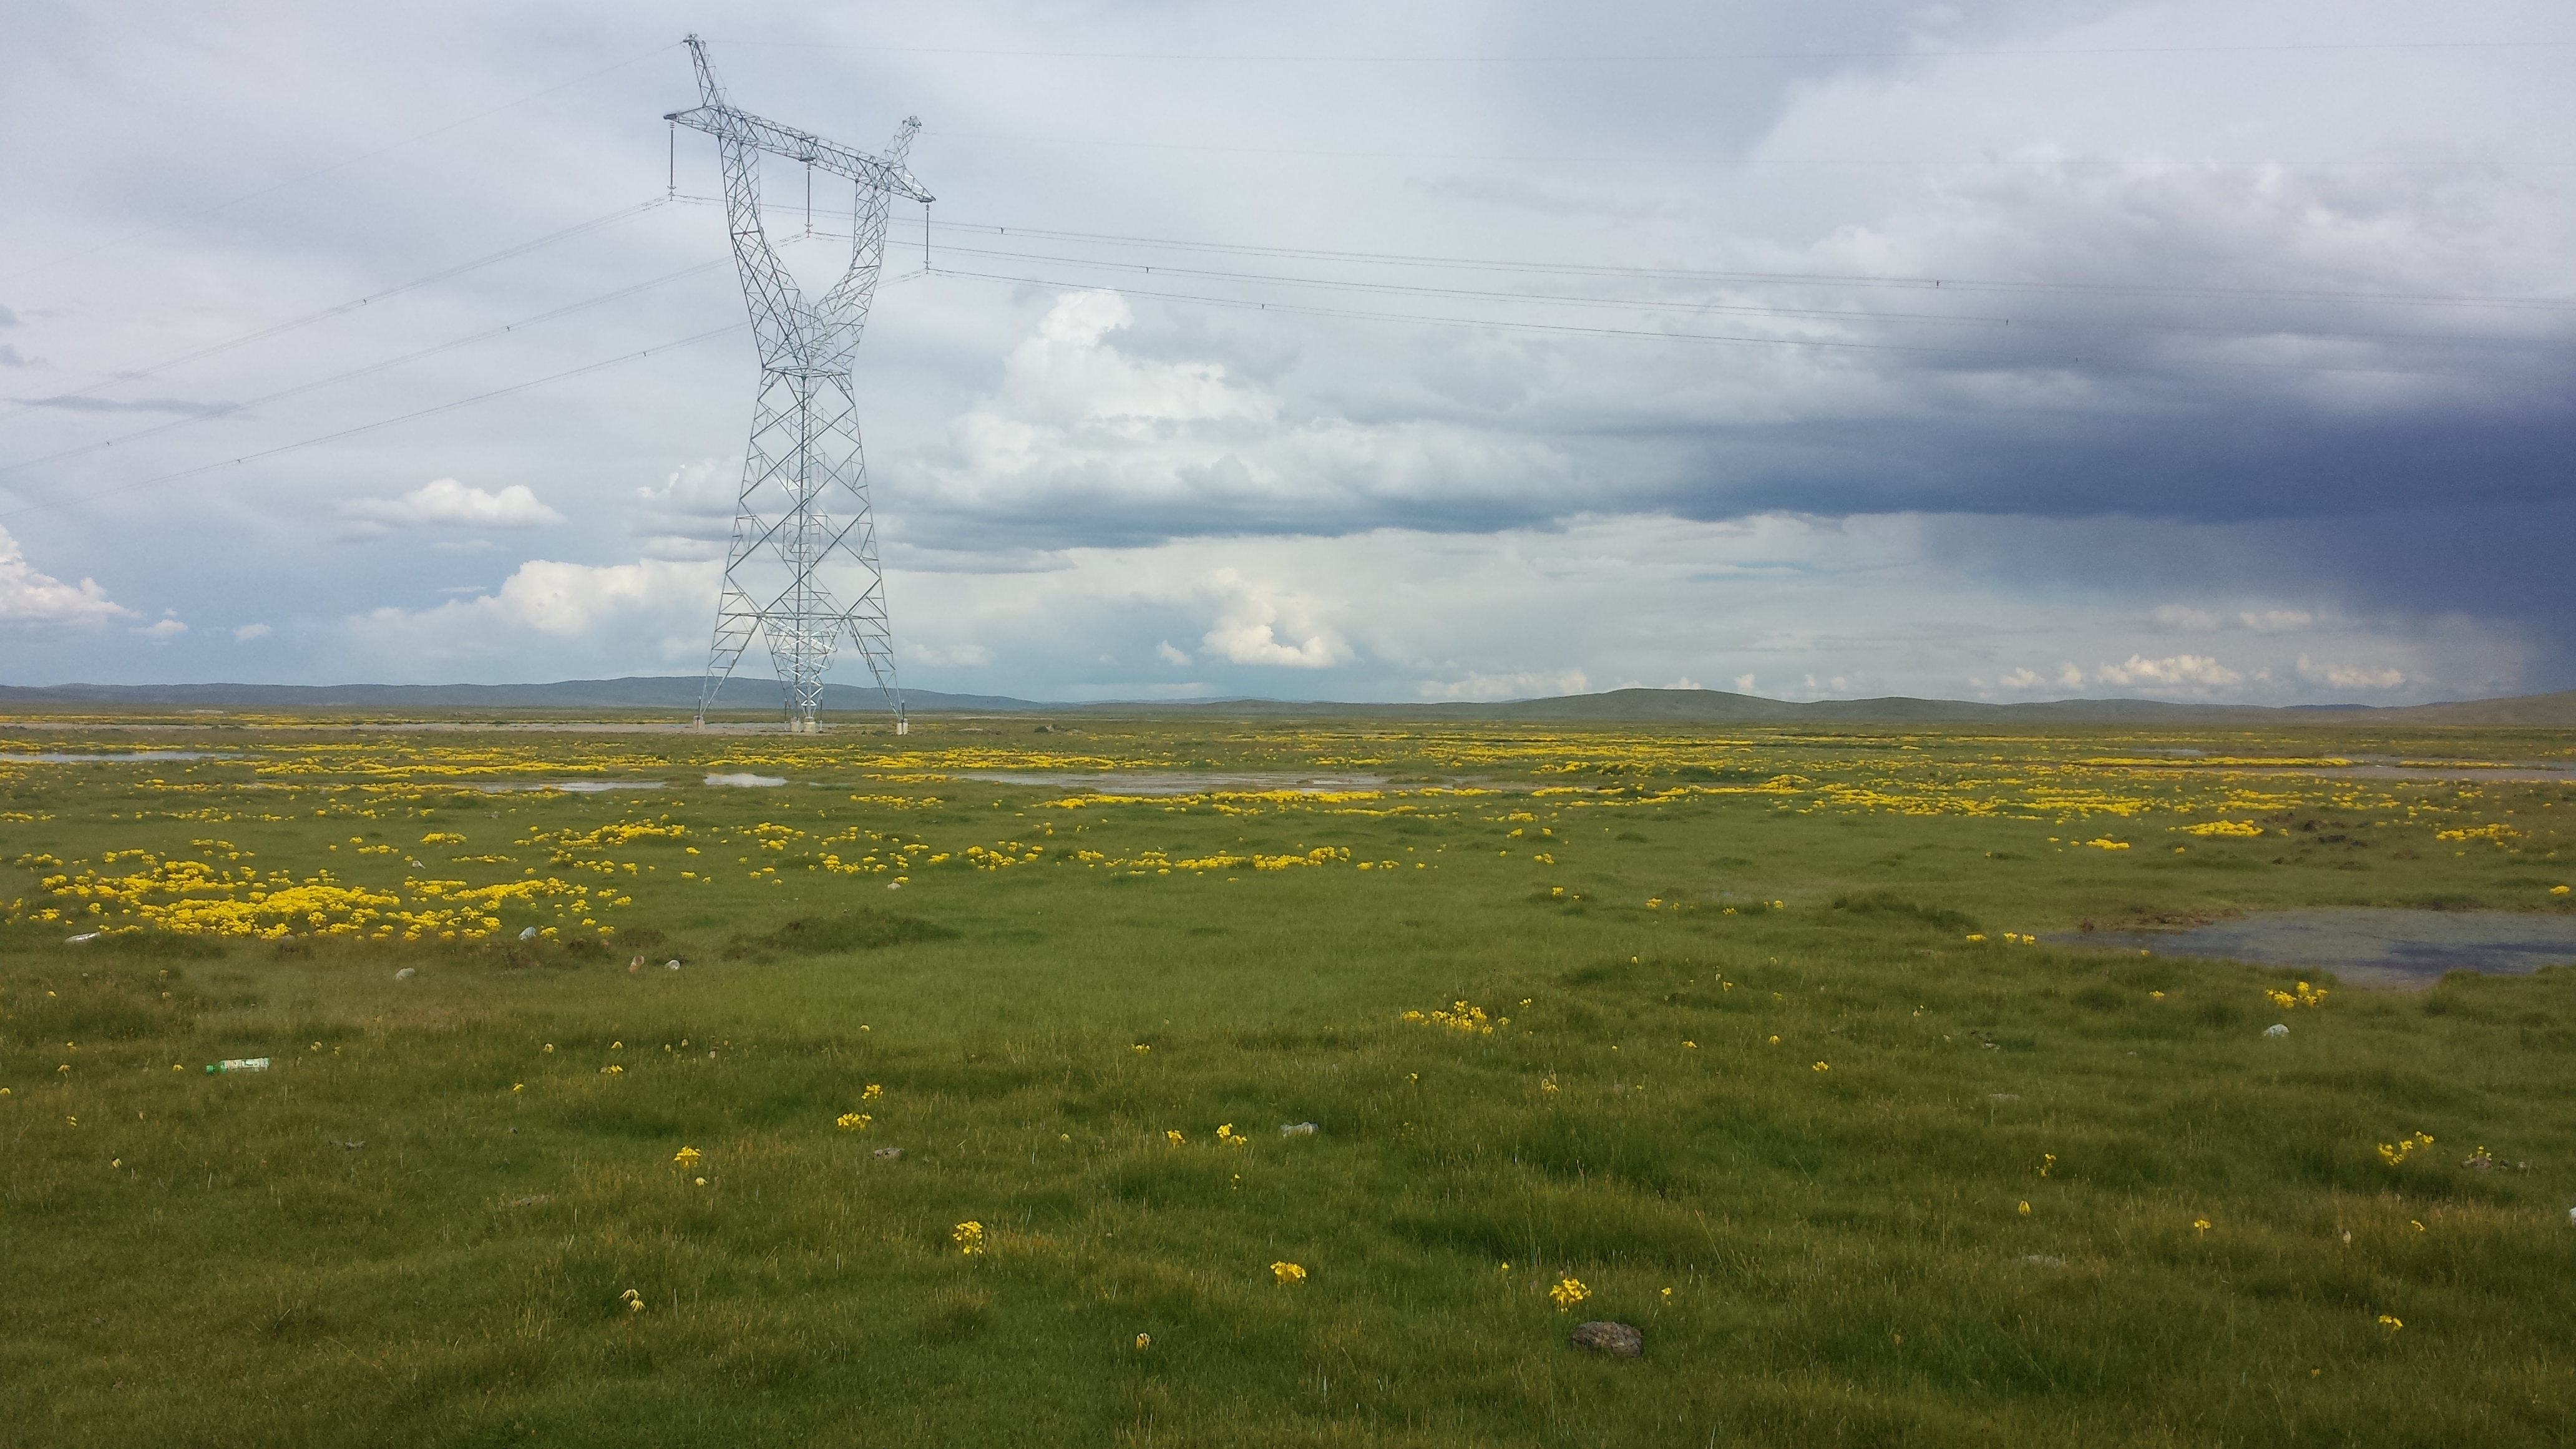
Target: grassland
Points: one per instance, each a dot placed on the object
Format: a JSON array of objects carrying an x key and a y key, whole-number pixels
[{"x": 1755, "y": 1049}]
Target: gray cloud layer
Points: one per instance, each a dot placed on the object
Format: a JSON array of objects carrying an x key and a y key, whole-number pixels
[{"x": 2087, "y": 332}]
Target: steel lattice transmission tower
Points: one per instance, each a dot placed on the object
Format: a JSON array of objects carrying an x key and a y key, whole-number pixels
[{"x": 804, "y": 500}]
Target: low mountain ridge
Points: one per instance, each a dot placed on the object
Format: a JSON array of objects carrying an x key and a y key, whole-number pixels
[{"x": 678, "y": 693}]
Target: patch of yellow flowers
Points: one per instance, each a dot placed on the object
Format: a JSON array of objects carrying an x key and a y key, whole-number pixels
[
  {"x": 1462, "y": 1017},
  {"x": 2396, "y": 1152}
]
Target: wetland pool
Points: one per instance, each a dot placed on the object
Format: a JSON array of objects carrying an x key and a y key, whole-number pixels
[{"x": 2363, "y": 945}]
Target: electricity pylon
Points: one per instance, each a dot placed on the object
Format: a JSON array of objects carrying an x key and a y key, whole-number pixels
[{"x": 804, "y": 460}]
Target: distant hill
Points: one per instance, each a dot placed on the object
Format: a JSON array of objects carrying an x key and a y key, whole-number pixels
[
  {"x": 673, "y": 694},
  {"x": 1719, "y": 706}
]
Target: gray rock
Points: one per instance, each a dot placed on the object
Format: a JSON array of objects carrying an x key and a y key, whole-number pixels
[
  {"x": 406, "y": 973},
  {"x": 887, "y": 1154},
  {"x": 2277, "y": 1029},
  {"x": 1615, "y": 1338}
]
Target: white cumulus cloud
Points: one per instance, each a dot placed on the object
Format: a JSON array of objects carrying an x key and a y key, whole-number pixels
[
  {"x": 1536, "y": 684},
  {"x": 2349, "y": 677},
  {"x": 32, "y": 597},
  {"x": 248, "y": 632},
  {"x": 446, "y": 502},
  {"x": 1250, "y": 626},
  {"x": 2182, "y": 671}
]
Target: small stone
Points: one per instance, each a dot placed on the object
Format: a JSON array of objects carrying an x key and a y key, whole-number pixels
[
  {"x": 406, "y": 973},
  {"x": 1616, "y": 1338},
  {"x": 672, "y": 965},
  {"x": 887, "y": 1154},
  {"x": 2277, "y": 1029},
  {"x": 1298, "y": 1129}
]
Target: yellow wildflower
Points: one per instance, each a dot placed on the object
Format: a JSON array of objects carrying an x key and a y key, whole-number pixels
[
  {"x": 1569, "y": 1291},
  {"x": 1286, "y": 1273},
  {"x": 686, "y": 1157},
  {"x": 969, "y": 1237},
  {"x": 853, "y": 1121}
]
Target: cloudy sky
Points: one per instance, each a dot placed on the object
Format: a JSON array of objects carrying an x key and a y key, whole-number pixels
[{"x": 1444, "y": 351}]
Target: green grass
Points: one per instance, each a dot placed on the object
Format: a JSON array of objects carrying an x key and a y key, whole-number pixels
[{"x": 417, "y": 1227}]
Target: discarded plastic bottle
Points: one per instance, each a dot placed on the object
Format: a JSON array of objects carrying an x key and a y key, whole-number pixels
[{"x": 238, "y": 1064}]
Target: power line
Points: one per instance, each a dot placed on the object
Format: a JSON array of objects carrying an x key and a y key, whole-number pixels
[
  {"x": 1836, "y": 279},
  {"x": 263, "y": 334},
  {"x": 341, "y": 164},
  {"x": 369, "y": 427},
  {"x": 1681, "y": 158},
  {"x": 1699, "y": 307},
  {"x": 1565, "y": 328},
  {"x": 239, "y": 409},
  {"x": 1689, "y": 57}
]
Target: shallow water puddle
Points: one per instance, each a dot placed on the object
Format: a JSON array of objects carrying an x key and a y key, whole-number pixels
[
  {"x": 1153, "y": 783},
  {"x": 2366, "y": 946},
  {"x": 569, "y": 787},
  {"x": 56, "y": 758}
]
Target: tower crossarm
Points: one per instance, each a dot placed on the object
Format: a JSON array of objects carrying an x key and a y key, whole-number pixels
[{"x": 727, "y": 124}]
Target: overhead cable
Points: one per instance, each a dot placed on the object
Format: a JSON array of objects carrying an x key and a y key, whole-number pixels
[
  {"x": 369, "y": 427},
  {"x": 342, "y": 163},
  {"x": 1567, "y": 328},
  {"x": 263, "y": 334},
  {"x": 235, "y": 410}
]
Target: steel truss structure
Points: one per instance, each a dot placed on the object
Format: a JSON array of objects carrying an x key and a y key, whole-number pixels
[{"x": 804, "y": 500}]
